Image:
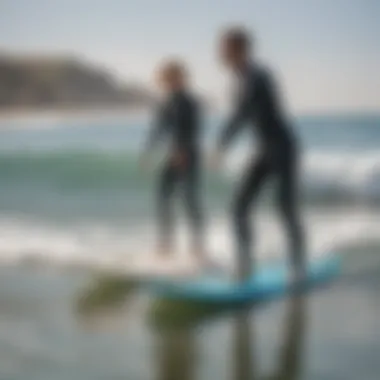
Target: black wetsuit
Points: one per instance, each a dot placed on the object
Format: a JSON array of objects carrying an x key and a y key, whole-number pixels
[
  {"x": 258, "y": 106},
  {"x": 178, "y": 119}
]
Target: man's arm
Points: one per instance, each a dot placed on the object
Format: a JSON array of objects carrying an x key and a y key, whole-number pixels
[{"x": 236, "y": 119}]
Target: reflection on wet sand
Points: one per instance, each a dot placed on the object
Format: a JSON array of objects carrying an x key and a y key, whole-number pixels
[
  {"x": 176, "y": 348},
  {"x": 291, "y": 345},
  {"x": 176, "y": 356}
]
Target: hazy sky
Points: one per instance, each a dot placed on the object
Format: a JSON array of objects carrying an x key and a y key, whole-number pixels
[{"x": 326, "y": 52}]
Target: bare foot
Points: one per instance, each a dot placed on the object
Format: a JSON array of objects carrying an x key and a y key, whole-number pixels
[
  {"x": 212, "y": 266},
  {"x": 297, "y": 278},
  {"x": 164, "y": 251},
  {"x": 244, "y": 270}
]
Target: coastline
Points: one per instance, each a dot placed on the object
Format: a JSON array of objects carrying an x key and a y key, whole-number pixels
[
  {"x": 15, "y": 117},
  {"x": 20, "y": 116}
]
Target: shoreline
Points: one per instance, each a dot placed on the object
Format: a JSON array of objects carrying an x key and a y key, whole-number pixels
[{"x": 23, "y": 115}]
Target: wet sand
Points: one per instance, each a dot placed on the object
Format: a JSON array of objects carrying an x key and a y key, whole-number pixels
[{"x": 333, "y": 333}]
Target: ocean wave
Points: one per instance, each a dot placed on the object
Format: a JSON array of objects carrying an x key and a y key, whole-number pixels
[
  {"x": 69, "y": 169},
  {"x": 325, "y": 175},
  {"x": 100, "y": 245}
]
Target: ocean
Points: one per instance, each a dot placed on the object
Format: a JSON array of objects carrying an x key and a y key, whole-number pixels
[
  {"x": 73, "y": 199},
  {"x": 73, "y": 191}
]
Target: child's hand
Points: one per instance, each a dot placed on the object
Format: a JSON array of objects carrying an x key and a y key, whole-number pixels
[
  {"x": 179, "y": 159},
  {"x": 216, "y": 158}
]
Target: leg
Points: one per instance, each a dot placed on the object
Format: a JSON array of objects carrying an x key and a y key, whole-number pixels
[
  {"x": 288, "y": 207},
  {"x": 194, "y": 207},
  {"x": 166, "y": 188},
  {"x": 246, "y": 196}
]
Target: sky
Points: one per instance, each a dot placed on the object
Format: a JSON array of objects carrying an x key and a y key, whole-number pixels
[{"x": 325, "y": 53}]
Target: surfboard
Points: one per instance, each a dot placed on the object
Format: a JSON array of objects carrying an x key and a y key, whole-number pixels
[{"x": 267, "y": 282}]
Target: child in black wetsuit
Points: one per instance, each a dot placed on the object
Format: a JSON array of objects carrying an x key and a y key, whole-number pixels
[
  {"x": 178, "y": 120},
  {"x": 258, "y": 107}
]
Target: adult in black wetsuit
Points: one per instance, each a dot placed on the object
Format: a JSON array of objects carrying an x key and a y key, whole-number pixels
[
  {"x": 258, "y": 106},
  {"x": 178, "y": 119}
]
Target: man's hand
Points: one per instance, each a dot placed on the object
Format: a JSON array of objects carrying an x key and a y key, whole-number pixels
[{"x": 145, "y": 161}]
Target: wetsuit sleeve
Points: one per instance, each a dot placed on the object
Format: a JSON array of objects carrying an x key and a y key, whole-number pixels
[
  {"x": 237, "y": 118},
  {"x": 159, "y": 127},
  {"x": 188, "y": 122},
  {"x": 268, "y": 82}
]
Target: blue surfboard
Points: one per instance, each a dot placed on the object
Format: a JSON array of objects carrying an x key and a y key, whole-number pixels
[{"x": 268, "y": 282}]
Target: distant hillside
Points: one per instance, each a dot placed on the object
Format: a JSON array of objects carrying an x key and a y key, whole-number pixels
[{"x": 59, "y": 82}]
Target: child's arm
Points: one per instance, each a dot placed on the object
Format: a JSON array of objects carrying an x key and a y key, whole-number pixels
[{"x": 158, "y": 129}]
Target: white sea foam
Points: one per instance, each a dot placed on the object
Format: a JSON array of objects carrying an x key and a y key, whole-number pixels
[{"x": 104, "y": 246}]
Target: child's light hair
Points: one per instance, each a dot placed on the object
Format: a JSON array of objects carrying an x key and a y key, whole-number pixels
[{"x": 171, "y": 69}]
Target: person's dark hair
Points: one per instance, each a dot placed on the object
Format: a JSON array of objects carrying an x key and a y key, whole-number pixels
[{"x": 239, "y": 38}]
